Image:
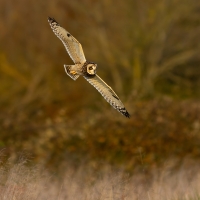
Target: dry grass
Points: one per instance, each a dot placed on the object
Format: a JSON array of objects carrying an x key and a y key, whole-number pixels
[{"x": 19, "y": 182}]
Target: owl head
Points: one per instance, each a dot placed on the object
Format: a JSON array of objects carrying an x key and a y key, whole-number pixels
[{"x": 91, "y": 68}]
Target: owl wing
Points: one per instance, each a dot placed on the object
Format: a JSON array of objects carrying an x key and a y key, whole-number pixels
[
  {"x": 108, "y": 93},
  {"x": 72, "y": 46}
]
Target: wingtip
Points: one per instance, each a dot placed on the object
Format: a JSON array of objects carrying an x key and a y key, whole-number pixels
[
  {"x": 124, "y": 112},
  {"x": 52, "y": 20}
]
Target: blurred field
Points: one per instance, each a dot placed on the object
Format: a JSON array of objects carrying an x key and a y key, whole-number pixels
[
  {"x": 19, "y": 182},
  {"x": 147, "y": 51}
]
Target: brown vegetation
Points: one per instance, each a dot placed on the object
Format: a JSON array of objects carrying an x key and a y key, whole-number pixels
[
  {"x": 147, "y": 51},
  {"x": 18, "y": 182}
]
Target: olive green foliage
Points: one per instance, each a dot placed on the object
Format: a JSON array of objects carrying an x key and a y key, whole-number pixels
[{"x": 148, "y": 51}]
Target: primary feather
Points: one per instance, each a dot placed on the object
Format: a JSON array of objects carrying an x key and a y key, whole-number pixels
[
  {"x": 108, "y": 93},
  {"x": 72, "y": 45}
]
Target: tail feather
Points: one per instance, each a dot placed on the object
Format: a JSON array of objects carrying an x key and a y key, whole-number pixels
[{"x": 71, "y": 73}]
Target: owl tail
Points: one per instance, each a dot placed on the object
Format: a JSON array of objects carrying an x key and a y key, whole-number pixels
[{"x": 70, "y": 72}]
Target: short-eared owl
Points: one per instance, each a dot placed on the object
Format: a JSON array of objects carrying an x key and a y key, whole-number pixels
[{"x": 85, "y": 68}]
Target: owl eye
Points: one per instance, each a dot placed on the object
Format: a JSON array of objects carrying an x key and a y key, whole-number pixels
[{"x": 90, "y": 68}]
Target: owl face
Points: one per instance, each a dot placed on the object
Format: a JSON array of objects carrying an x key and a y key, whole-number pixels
[{"x": 91, "y": 68}]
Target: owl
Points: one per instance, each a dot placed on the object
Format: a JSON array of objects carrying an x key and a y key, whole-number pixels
[{"x": 84, "y": 68}]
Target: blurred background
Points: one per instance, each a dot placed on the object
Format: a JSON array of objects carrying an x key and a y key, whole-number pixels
[{"x": 147, "y": 51}]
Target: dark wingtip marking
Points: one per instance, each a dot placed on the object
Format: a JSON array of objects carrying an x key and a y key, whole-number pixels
[
  {"x": 124, "y": 112},
  {"x": 52, "y": 20}
]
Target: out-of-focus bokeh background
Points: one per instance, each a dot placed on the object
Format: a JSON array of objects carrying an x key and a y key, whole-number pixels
[{"x": 148, "y": 51}]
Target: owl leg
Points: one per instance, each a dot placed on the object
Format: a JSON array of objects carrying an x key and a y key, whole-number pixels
[{"x": 70, "y": 72}]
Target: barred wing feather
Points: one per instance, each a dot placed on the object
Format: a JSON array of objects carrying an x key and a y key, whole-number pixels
[
  {"x": 108, "y": 93},
  {"x": 72, "y": 45}
]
